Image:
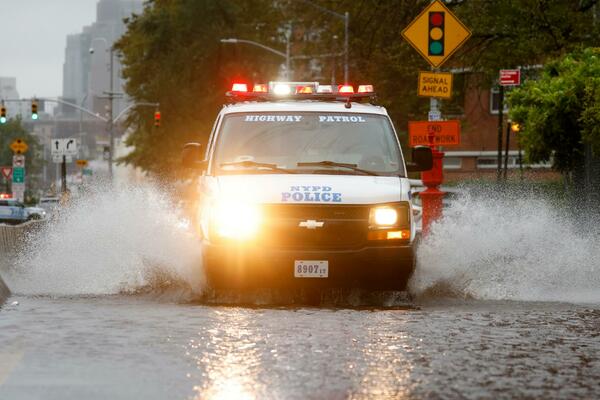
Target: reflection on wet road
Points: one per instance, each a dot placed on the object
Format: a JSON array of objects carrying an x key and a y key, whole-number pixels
[{"x": 133, "y": 347}]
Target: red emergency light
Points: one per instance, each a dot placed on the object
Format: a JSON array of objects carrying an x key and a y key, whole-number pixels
[
  {"x": 303, "y": 90},
  {"x": 345, "y": 89},
  {"x": 239, "y": 88}
]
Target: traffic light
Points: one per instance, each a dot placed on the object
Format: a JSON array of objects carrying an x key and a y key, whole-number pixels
[
  {"x": 2, "y": 114},
  {"x": 34, "y": 110},
  {"x": 436, "y": 33},
  {"x": 157, "y": 118}
]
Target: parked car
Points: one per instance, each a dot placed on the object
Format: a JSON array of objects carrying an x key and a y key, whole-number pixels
[
  {"x": 49, "y": 204},
  {"x": 12, "y": 212},
  {"x": 35, "y": 213}
]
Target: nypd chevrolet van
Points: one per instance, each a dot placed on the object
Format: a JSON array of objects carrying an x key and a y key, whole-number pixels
[{"x": 304, "y": 184}]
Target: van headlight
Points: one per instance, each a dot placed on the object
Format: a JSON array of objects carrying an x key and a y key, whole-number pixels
[
  {"x": 384, "y": 216},
  {"x": 389, "y": 222},
  {"x": 235, "y": 220}
]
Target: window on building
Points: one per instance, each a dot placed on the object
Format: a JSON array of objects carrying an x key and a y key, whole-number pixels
[
  {"x": 452, "y": 162},
  {"x": 495, "y": 100},
  {"x": 487, "y": 162},
  {"x": 491, "y": 162}
]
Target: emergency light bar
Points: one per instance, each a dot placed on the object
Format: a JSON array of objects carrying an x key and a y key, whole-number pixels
[{"x": 302, "y": 90}]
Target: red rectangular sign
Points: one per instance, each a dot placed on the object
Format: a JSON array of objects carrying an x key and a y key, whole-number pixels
[
  {"x": 443, "y": 133},
  {"x": 510, "y": 77}
]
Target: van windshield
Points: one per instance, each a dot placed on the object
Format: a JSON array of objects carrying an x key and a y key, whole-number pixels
[{"x": 272, "y": 142}]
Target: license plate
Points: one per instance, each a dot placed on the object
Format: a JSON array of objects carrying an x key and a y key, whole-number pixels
[{"x": 311, "y": 269}]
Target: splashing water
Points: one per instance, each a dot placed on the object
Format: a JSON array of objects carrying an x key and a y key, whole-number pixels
[
  {"x": 516, "y": 248},
  {"x": 132, "y": 240},
  {"x": 109, "y": 241}
]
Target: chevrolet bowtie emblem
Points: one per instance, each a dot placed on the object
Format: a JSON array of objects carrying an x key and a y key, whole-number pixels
[{"x": 311, "y": 224}]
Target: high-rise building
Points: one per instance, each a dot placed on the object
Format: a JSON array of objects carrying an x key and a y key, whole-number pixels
[
  {"x": 8, "y": 90},
  {"x": 87, "y": 58}
]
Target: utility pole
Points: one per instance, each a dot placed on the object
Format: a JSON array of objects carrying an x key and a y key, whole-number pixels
[
  {"x": 110, "y": 118},
  {"x": 500, "y": 130},
  {"x": 346, "y": 33},
  {"x": 508, "y": 129},
  {"x": 63, "y": 175}
]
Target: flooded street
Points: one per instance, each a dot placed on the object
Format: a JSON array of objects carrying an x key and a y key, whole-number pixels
[
  {"x": 123, "y": 347},
  {"x": 501, "y": 307}
]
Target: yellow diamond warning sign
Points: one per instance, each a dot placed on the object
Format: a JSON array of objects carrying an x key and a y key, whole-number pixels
[
  {"x": 436, "y": 33},
  {"x": 435, "y": 84},
  {"x": 19, "y": 146}
]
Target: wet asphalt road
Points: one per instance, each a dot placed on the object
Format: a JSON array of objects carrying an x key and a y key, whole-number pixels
[{"x": 126, "y": 347}]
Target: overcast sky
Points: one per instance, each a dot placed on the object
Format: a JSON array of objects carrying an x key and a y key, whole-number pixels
[{"x": 33, "y": 38}]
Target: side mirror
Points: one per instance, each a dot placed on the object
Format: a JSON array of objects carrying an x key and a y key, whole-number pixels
[
  {"x": 191, "y": 157},
  {"x": 422, "y": 159}
]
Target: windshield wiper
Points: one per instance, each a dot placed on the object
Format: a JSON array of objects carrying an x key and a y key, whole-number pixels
[
  {"x": 353, "y": 167},
  {"x": 248, "y": 163}
]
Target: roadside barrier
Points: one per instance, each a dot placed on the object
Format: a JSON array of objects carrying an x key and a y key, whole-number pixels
[{"x": 11, "y": 238}]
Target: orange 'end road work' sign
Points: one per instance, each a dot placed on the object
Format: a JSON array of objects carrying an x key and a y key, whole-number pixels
[{"x": 445, "y": 133}]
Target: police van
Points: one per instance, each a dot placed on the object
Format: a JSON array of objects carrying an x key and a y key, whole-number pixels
[{"x": 303, "y": 184}]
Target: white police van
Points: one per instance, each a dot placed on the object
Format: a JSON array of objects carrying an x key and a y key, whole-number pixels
[{"x": 303, "y": 184}]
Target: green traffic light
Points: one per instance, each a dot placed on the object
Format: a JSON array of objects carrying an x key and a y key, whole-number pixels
[
  {"x": 2, "y": 120},
  {"x": 34, "y": 116}
]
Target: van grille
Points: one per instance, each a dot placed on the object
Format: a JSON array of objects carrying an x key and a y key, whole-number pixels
[{"x": 344, "y": 226}]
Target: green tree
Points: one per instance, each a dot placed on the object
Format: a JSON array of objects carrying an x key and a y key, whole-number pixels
[
  {"x": 172, "y": 55},
  {"x": 560, "y": 111}
]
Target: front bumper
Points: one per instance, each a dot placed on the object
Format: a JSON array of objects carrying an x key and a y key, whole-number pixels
[{"x": 382, "y": 268}]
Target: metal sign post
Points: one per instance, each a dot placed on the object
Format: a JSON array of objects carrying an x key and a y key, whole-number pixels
[
  {"x": 63, "y": 151},
  {"x": 436, "y": 34}
]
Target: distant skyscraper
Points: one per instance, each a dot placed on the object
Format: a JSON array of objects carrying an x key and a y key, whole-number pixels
[
  {"x": 8, "y": 90},
  {"x": 86, "y": 74}
]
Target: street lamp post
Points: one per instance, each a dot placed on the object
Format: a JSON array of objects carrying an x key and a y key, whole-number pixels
[
  {"x": 346, "y": 17},
  {"x": 110, "y": 96},
  {"x": 285, "y": 55}
]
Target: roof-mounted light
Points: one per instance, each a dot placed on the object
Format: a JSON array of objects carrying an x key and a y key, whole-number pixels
[
  {"x": 239, "y": 88},
  {"x": 304, "y": 90},
  {"x": 260, "y": 88},
  {"x": 282, "y": 89},
  {"x": 325, "y": 89},
  {"x": 345, "y": 89},
  {"x": 365, "y": 89}
]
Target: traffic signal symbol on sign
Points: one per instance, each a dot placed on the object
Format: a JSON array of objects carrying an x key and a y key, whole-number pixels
[
  {"x": 19, "y": 146},
  {"x": 436, "y": 33}
]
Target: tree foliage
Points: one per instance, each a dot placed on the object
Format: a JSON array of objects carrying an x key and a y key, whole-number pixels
[
  {"x": 560, "y": 111},
  {"x": 172, "y": 55}
]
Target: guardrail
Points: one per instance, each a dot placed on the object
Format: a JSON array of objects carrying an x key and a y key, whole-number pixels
[{"x": 11, "y": 238}]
